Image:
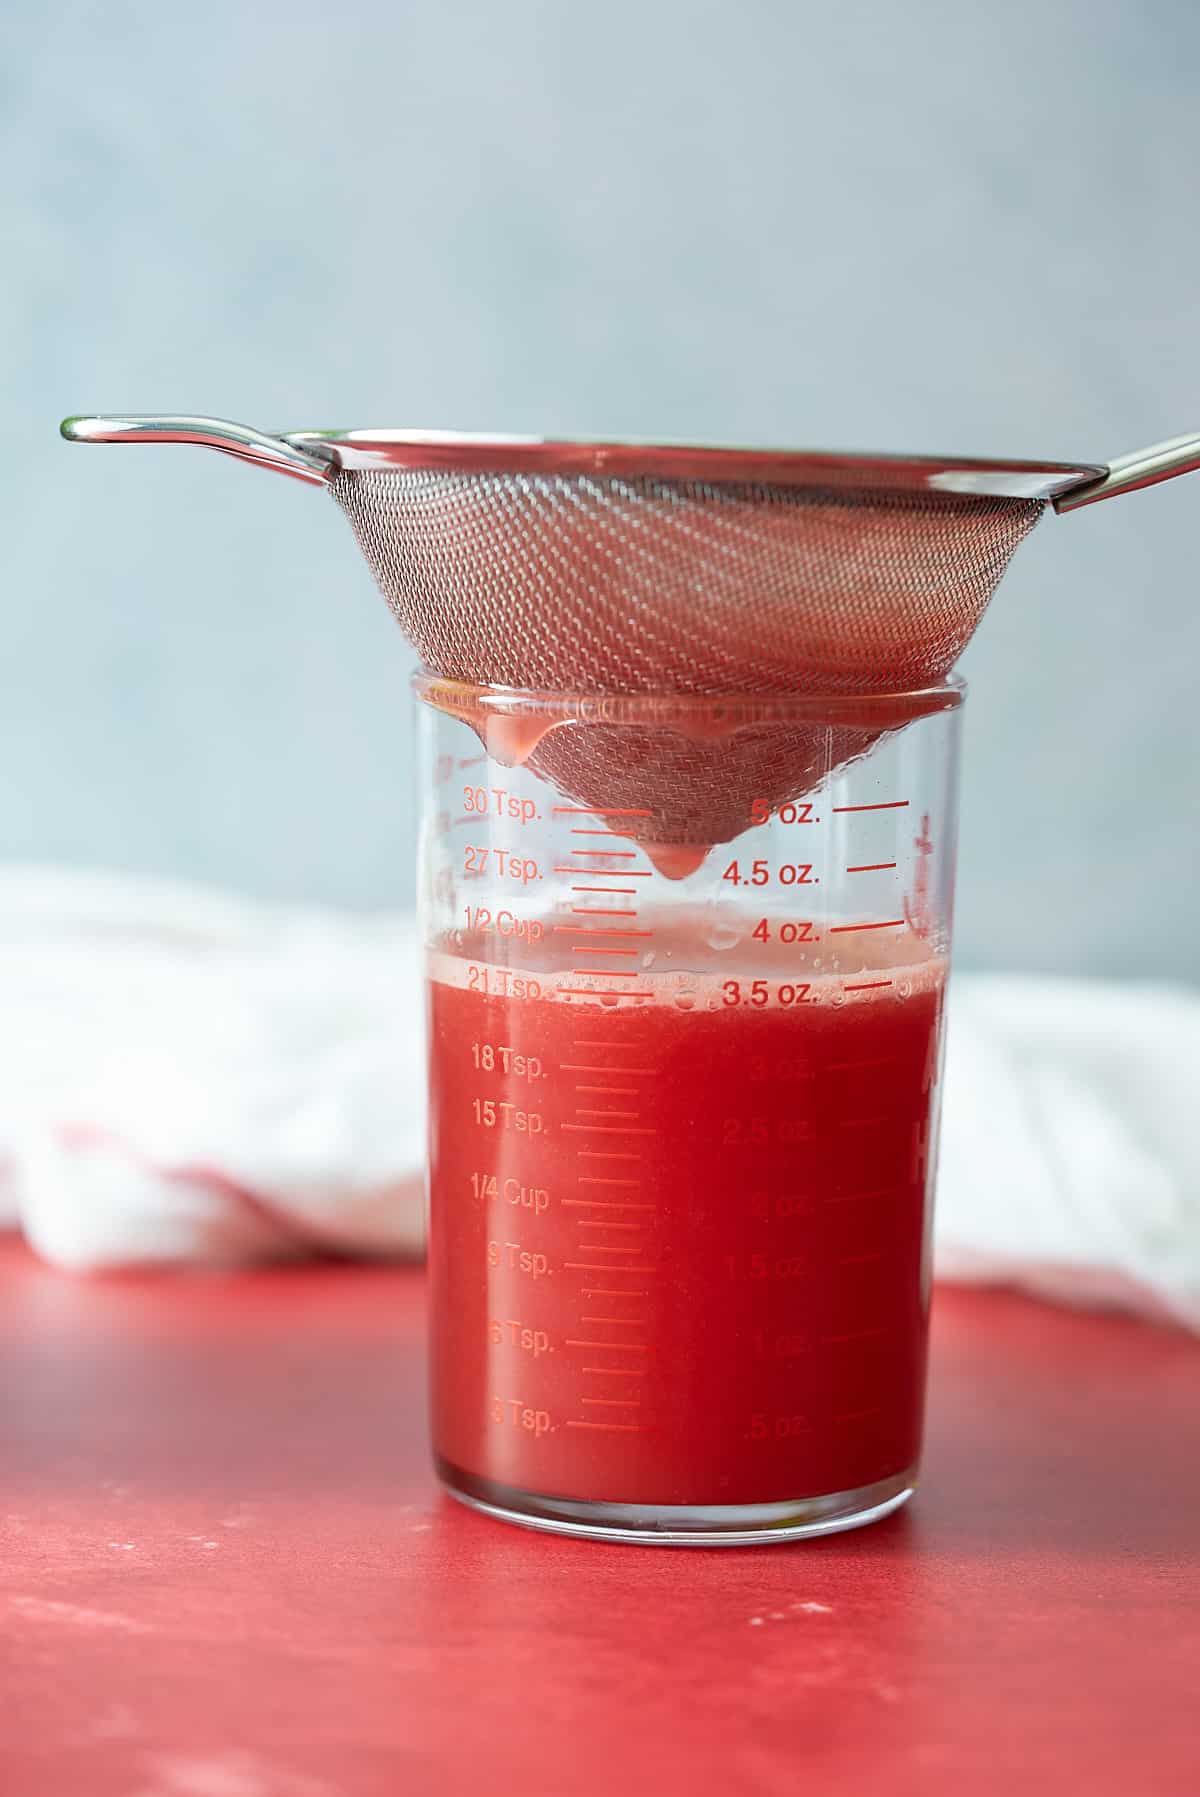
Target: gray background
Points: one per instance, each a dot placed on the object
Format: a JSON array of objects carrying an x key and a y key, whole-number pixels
[{"x": 931, "y": 225}]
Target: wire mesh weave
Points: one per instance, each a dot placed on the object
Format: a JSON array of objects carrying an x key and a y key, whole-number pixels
[{"x": 592, "y": 584}]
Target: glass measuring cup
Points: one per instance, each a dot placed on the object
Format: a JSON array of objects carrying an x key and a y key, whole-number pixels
[{"x": 683, "y": 1114}]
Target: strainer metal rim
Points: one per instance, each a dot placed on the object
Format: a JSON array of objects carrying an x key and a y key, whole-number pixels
[
  {"x": 729, "y": 709},
  {"x": 482, "y": 453}
]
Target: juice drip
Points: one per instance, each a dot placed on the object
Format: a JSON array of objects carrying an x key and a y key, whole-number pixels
[{"x": 678, "y": 1239}]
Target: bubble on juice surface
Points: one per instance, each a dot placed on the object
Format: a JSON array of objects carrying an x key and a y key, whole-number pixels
[
  {"x": 722, "y": 934},
  {"x": 685, "y": 1001},
  {"x": 648, "y": 958}
]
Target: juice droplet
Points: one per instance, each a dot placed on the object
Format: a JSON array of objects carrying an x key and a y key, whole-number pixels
[
  {"x": 511, "y": 737},
  {"x": 676, "y": 860},
  {"x": 684, "y": 1001}
]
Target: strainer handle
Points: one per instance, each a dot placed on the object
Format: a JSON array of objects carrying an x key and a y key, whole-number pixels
[
  {"x": 311, "y": 462},
  {"x": 1145, "y": 467}
]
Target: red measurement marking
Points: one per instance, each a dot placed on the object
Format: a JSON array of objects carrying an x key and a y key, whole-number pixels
[
  {"x": 612, "y": 1091},
  {"x": 613, "y": 1372},
  {"x": 610, "y": 891},
  {"x": 614, "y": 1403},
  {"x": 888, "y": 805},
  {"x": 598, "y": 873},
  {"x": 472, "y": 760},
  {"x": 595, "y": 948},
  {"x": 591, "y": 1110},
  {"x": 608, "y": 1129},
  {"x": 609, "y": 1154},
  {"x": 867, "y": 986},
  {"x": 603, "y": 1204},
  {"x": 580, "y": 929},
  {"x": 617, "y": 833},
  {"x": 634, "y": 1322},
  {"x": 607, "y": 973},
  {"x": 855, "y": 1260},
  {"x": 871, "y": 867},
  {"x": 595, "y": 811},
  {"x": 855, "y": 1197},
  {"x": 859, "y": 1122},
  {"x": 613, "y": 1428},
  {"x": 847, "y": 929},
  {"x": 596, "y": 911},
  {"x": 847, "y": 1416},
  {"x": 581, "y": 1266},
  {"x": 599, "y": 1248},
  {"x": 855, "y": 1335},
  {"x": 886, "y": 1060},
  {"x": 588, "y": 992},
  {"x": 627, "y": 1347},
  {"x": 625, "y": 1072},
  {"x": 591, "y": 1042},
  {"x": 594, "y": 1179},
  {"x": 608, "y": 1291},
  {"x": 612, "y": 855}
]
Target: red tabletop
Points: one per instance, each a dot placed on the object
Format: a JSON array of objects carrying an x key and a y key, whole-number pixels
[{"x": 226, "y": 1571}]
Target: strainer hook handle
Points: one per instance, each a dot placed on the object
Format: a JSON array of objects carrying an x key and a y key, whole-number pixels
[
  {"x": 1142, "y": 468},
  {"x": 311, "y": 462}
]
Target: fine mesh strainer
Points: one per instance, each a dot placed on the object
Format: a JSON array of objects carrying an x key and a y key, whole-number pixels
[{"x": 605, "y": 569}]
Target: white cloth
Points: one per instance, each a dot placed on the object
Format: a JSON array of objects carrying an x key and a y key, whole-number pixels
[{"x": 195, "y": 1080}]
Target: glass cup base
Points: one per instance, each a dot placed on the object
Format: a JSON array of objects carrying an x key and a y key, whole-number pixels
[{"x": 683, "y": 1525}]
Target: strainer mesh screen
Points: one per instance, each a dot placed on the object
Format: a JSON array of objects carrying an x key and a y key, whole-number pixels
[{"x": 597, "y": 584}]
